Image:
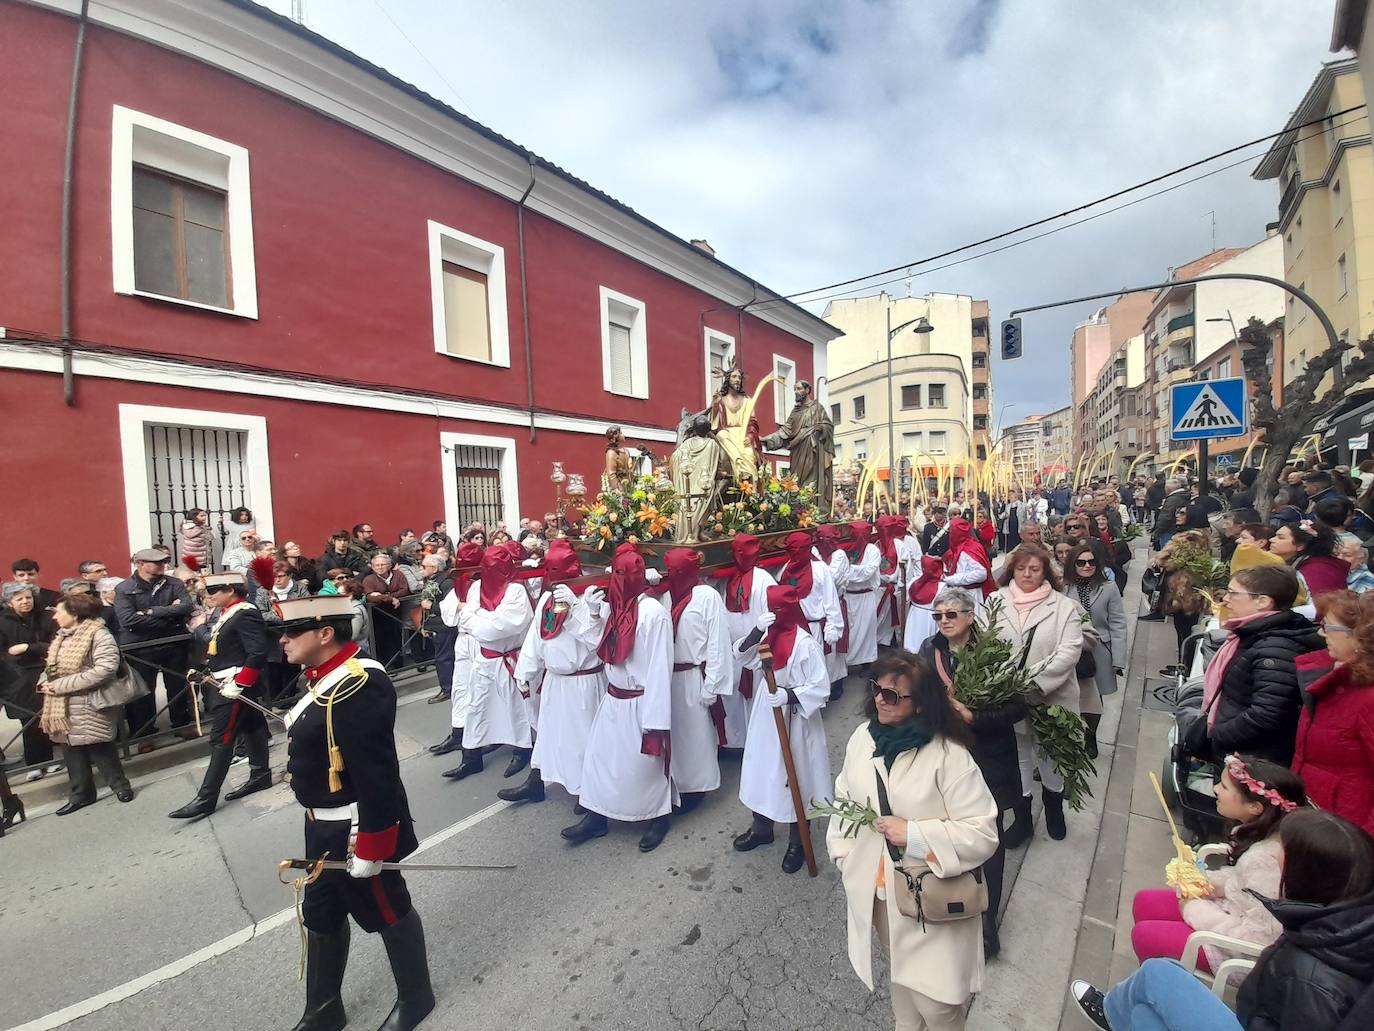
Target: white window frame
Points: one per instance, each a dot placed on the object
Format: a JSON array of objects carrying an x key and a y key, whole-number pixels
[
  {"x": 931, "y": 442},
  {"x": 464, "y": 249},
  {"x": 639, "y": 342},
  {"x": 784, "y": 385},
  {"x": 714, "y": 336},
  {"x": 861, "y": 450},
  {"x": 133, "y": 421},
  {"x": 510, "y": 482},
  {"x": 176, "y": 150}
]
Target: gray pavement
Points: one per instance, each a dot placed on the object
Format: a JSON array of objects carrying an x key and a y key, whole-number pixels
[{"x": 180, "y": 926}]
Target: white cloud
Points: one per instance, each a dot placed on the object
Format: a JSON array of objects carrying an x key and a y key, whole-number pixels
[{"x": 811, "y": 142}]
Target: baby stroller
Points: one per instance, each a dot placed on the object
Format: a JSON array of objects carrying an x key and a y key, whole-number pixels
[{"x": 1189, "y": 780}]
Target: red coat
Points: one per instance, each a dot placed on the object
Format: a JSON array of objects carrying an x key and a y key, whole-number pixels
[{"x": 1335, "y": 747}]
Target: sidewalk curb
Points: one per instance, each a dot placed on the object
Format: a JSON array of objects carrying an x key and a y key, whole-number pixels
[{"x": 1092, "y": 956}]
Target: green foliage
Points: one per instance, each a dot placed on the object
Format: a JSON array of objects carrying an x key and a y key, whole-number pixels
[
  {"x": 852, "y": 815},
  {"x": 643, "y": 513}
]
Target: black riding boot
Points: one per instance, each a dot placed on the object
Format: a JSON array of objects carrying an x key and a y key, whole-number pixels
[
  {"x": 653, "y": 837},
  {"x": 452, "y": 743},
  {"x": 1090, "y": 733},
  {"x": 472, "y": 763},
  {"x": 992, "y": 943},
  {"x": 1021, "y": 828},
  {"x": 1055, "y": 826},
  {"x": 530, "y": 791},
  {"x": 795, "y": 855},
  {"x": 207, "y": 798},
  {"x": 326, "y": 955},
  {"x": 405, "y": 948},
  {"x": 259, "y": 771},
  {"x": 520, "y": 758}
]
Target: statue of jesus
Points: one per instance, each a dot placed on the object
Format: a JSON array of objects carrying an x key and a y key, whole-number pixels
[{"x": 732, "y": 417}]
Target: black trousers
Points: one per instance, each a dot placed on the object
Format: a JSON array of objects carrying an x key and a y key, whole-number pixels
[
  {"x": 386, "y": 633},
  {"x": 231, "y": 718},
  {"x": 444, "y": 642},
  {"x": 374, "y": 903},
  {"x": 995, "y": 868},
  {"x": 23, "y": 703},
  {"x": 1183, "y": 629},
  {"x": 172, "y": 661},
  {"x": 79, "y": 759}
]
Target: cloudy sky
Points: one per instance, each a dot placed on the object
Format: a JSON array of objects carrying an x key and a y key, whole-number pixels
[{"x": 811, "y": 142}]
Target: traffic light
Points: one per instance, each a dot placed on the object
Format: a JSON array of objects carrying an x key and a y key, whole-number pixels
[{"x": 1011, "y": 339}]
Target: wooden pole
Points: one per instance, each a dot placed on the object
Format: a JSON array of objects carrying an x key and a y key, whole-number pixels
[{"x": 780, "y": 721}]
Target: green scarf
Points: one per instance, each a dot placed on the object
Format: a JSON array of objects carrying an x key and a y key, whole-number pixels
[{"x": 890, "y": 742}]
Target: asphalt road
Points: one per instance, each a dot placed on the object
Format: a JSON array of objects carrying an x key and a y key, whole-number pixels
[{"x": 600, "y": 936}]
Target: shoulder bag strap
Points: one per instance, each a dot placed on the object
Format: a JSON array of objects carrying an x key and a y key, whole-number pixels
[
  {"x": 886, "y": 810},
  {"x": 1025, "y": 649}
]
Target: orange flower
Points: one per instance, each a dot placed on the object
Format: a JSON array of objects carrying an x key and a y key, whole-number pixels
[
  {"x": 746, "y": 486},
  {"x": 606, "y": 532}
]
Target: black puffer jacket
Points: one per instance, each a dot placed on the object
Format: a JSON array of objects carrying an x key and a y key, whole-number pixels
[
  {"x": 1260, "y": 701},
  {"x": 994, "y": 740},
  {"x": 1314, "y": 976}
]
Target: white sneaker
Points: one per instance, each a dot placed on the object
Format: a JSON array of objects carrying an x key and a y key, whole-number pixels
[
  {"x": 52, "y": 769},
  {"x": 33, "y": 775}
]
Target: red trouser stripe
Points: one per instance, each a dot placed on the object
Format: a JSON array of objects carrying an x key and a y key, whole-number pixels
[
  {"x": 231, "y": 726},
  {"x": 383, "y": 903}
]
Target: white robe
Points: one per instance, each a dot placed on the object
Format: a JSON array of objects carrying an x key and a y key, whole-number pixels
[
  {"x": 861, "y": 592},
  {"x": 763, "y": 783},
  {"x": 497, "y": 714},
  {"x": 920, "y": 627},
  {"x": 821, "y": 607},
  {"x": 567, "y": 701},
  {"x": 700, "y": 638},
  {"x": 907, "y": 570},
  {"x": 464, "y": 651},
  {"x": 836, "y": 661},
  {"x": 618, "y": 780},
  {"x": 969, "y": 574},
  {"x": 737, "y": 626}
]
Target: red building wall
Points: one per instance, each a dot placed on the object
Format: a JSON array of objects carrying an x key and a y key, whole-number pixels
[{"x": 340, "y": 244}]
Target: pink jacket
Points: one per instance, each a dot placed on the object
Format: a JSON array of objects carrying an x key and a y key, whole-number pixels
[{"x": 1232, "y": 910}]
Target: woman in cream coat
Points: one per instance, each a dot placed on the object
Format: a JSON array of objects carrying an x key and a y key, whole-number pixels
[
  {"x": 945, "y": 819},
  {"x": 1033, "y": 609}
]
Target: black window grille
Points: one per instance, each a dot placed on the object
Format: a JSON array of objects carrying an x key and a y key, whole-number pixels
[
  {"x": 478, "y": 472},
  {"x": 189, "y": 468}
]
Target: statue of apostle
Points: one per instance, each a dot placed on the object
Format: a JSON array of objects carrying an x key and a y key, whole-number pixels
[
  {"x": 732, "y": 418},
  {"x": 700, "y": 470},
  {"x": 809, "y": 435}
]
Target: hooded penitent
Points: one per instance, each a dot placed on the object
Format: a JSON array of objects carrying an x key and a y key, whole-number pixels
[
  {"x": 497, "y": 572},
  {"x": 890, "y": 530},
  {"x": 924, "y": 590},
  {"x": 683, "y": 566},
  {"x": 962, "y": 542},
  {"x": 797, "y": 572},
  {"x": 560, "y": 566},
  {"x": 740, "y": 582},
  {"x": 627, "y": 584},
  {"x": 860, "y": 536},
  {"x": 827, "y": 540},
  {"x": 784, "y": 601}
]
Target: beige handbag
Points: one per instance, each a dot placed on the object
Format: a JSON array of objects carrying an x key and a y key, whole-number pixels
[
  {"x": 926, "y": 897},
  {"x": 124, "y": 687}
]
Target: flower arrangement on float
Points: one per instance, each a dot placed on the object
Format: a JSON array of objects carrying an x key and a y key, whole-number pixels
[
  {"x": 643, "y": 513},
  {"x": 773, "y": 505}
]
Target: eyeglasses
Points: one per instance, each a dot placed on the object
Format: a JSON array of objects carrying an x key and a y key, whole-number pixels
[
  {"x": 1334, "y": 628},
  {"x": 885, "y": 694},
  {"x": 1084, "y": 563},
  {"x": 1226, "y": 592},
  {"x": 951, "y": 614}
]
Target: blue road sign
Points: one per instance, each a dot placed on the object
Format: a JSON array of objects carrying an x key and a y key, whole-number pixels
[{"x": 1207, "y": 408}]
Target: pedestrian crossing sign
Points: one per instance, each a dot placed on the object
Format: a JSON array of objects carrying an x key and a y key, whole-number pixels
[{"x": 1208, "y": 408}]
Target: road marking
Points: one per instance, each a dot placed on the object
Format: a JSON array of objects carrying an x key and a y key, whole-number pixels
[{"x": 177, "y": 967}]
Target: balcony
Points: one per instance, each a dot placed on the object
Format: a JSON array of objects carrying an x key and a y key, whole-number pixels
[
  {"x": 1290, "y": 192},
  {"x": 1188, "y": 318}
]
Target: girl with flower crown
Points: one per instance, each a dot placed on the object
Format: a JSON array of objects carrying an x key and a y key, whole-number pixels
[{"x": 1256, "y": 795}]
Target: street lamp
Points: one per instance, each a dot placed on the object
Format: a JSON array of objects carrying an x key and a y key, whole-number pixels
[
  {"x": 920, "y": 325},
  {"x": 1235, "y": 333}
]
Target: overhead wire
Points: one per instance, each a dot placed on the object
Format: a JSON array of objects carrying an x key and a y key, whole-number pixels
[
  {"x": 908, "y": 268},
  {"x": 434, "y": 68}
]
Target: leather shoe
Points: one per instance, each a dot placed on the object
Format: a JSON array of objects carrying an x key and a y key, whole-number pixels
[
  {"x": 450, "y": 744},
  {"x": 530, "y": 791},
  {"x": 793, "y": 859},
  {"x": 653, "y": 837},
  {"x": 836, "y": 691},
  {"x": 751, "y": 839},
  {"x": 593, "y": 825},
  {"x": 74, "y": 804},
  {"x": 518, "y": 762},
  {"x": 199, "y": 806},
  {"x": 472, "y": 763},
  {"x": 250, "y": 785},
  {"x": 125, "y": 794}
]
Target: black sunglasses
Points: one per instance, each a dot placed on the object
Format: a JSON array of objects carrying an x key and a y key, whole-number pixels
[
  {"x": 296, "y": 631},
  {"x": 951, "y": 614},
  {"x": 885, "y": 694},
  {"x": 1084, "y": 562}
]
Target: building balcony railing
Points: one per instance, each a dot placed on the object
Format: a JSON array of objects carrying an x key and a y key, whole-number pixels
[
  {"x": 1188, "y": 318},
  {"x": 1289, "y": 193}
]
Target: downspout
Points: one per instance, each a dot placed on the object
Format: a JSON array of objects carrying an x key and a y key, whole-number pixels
[
  {"x": 525, "y": 295},
  {"x": 68, "y": 158}
]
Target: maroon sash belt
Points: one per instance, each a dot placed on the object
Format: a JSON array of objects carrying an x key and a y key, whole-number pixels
[
  {"x": 842, "y": 645},
  {"x": 588, "y": 671},
  {"x": 861, "y": 590},
  {"x": 507, "y": 660},
  {"x": 683, "y": 667},
  {"x": 746, "y": 684},
  {"x": 622, "y": 693}
]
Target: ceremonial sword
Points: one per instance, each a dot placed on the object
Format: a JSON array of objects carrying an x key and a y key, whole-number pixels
[{"x": 316, "y": 866}]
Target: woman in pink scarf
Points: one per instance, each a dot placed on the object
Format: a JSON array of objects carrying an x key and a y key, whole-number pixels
[{"x": 1034, "y": 617}]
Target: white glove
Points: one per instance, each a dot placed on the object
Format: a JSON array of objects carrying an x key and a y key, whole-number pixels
[
  {"x": 363, "y": 868},
  {"x": 765, "y": 620},
  {"x": 833, "y": 632},
  {"x": 563, "y": 595},
  {"x": 652, "y": 576},
  {"x": 530, "y": 563},
  {"x": 229, "y": 689},
  {"x": 777, "y": 699},
  {"x": 464, "y": 619},
  {"x": 595, "y": 600}
]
